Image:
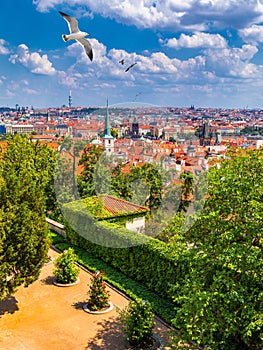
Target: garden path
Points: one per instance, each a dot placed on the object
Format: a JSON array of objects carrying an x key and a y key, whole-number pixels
[{"x": 46, "y": 317}]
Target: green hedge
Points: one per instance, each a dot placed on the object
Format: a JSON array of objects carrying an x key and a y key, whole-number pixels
[
  {"x": 135, "y": 290},
  {"x": 146, "y": 260}
]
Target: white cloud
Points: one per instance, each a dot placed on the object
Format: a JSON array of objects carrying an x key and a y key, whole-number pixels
[
  {"x": 233, "y": 62},
  {"x": 195, "y": 15},
  {"x": 252, "y": 34},
  {"x": 156, "y": 70},
  {"x": 3, "y": 49},
  {"x": 33, "y": 61},
  {"x": 30, "y": 91},
  {"x": 197, "y": 40},
  {"x": 68, "y": 79}
]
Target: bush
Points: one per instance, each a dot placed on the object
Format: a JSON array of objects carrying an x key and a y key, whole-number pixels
[
  {"x": 155, "y": 264},
  {"x": 137, "y": 323},
  {"x": 66, "y": 270},
  {"x": 99, "y": 296}
]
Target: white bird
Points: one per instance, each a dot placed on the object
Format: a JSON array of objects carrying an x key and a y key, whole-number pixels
[{"x": 76, "y": 34}]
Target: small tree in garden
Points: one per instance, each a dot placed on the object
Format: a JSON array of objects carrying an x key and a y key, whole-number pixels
[
  {"x": 66, "y": 270},
  {"x": 98, "y": 295},
  {"x": 137, "y": 323}
]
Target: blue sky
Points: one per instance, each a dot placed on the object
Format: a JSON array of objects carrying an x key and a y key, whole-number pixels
[{"x": 207, "y": 53}]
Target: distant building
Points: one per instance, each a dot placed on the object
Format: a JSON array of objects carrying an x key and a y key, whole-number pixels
[
  {"x": 135, "y": 128},
  {"x": 63, "y": 129},
  {"x": 205, "y": 137},
  {"x": 19, "y": 128}
]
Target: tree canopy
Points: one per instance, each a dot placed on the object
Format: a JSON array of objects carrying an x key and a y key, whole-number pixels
[
  {"x": 25, "y": 170},
  {"x": 220, "y": 303}
]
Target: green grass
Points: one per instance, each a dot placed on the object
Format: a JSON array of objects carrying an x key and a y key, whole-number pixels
[
  {"x": 165, "y": 309},
  {"x": 56, "y": 238}
]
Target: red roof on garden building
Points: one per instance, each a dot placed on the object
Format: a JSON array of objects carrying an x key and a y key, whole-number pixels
[{"x": 117, "y": 206}]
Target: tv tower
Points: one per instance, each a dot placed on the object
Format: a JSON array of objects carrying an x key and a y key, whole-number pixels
[{"x": 69, "y": 99}]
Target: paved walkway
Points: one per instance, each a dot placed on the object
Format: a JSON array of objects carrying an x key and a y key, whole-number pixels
[{"x": 46, "y": 317}]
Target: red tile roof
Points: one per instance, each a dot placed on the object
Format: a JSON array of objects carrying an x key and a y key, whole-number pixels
[{"x": 117, "y": 206}]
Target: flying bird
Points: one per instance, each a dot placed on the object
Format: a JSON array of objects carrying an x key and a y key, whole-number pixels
[
  {"x": 132, "y": 65},
  {"x": 122, "y": 61},
  {"x": 76, "y": 34},
  {"x": 138, "y": 94}
]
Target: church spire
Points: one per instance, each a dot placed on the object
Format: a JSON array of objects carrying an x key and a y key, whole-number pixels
[{"x": 107, "y": 138}]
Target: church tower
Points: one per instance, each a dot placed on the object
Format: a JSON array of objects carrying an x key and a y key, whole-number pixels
[
  {"x": 205, "y": 138},
  {"x": 107, "y": 138}
]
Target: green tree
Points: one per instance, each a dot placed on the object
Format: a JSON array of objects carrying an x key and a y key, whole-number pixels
[
  {"x": 187, "y": 179},
  {"x": 66, "y": 271},
  {"x": 220, "y": 303},
  {"x": 73, "y": 149},
  {"x": 24, "y": 174},
  {"x": 114, "y": 132},
  {"x": 120, "y": 183},
  {"x": 98, "y": 294},
  {"x": 137, "y": 323},
  {"x": 151, "y": 176},
  {"x": 88, "y": 161}
]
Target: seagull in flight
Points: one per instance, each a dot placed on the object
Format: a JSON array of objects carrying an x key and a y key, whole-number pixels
[
  {"x": 76, "y": 34},
  {"x": 132, "y": 65},
  {"x": 122, "y": 61}
]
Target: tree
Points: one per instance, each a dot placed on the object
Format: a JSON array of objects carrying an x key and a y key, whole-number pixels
[
  {"x": 150, "y": 175},
  {"x": 88, "y": 161},
  {"x": 66, "y": 271},
  {"x": 45, "y": 159},
  {"x": 137, "y": 323},
  {"x": 114, "y": 132},
  {"x": 73, "y": 149},
  {"x": 120, "y": 182},
  {"x": 220, "y": 303},
  {"x": 98, "y": 294},
  {"x": 24, "y": 174}
]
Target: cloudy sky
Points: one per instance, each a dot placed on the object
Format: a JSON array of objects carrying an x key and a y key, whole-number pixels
[{"x": 206, "y": 53}]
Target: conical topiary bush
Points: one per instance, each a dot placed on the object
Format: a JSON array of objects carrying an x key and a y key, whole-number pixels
[{"x": 66, "y": 271}]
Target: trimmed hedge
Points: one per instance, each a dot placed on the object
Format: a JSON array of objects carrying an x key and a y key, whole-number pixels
[
  {"x": 146, "y": 260},
  {"x": 162, "y": 307}
]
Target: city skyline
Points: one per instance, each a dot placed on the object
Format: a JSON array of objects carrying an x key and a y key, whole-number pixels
[{"x": 192, "y": 52}]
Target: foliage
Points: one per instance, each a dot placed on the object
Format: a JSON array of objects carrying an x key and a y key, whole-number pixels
[
  {"x": 150, "y": 175},
  {"x": 120, "y": 183},
  {"x": 162, "y": 307},
  {"x": 66, "y": 271},
  {"x": 24, "y": 242},
  {"x": 252, "y": 130},
  {"x": 95, "y": 206},
  {"x": 97, "y": 178},
  {"x": 220, "y": 301},
  {"x": 88, "y": 160},
  {"x": 147, "y": 260},
  {"x": 142, "y": 185},
  {"x": 114, "y": 132},
  {"x": 68, "y": 161},
  {"x": 98, "y": 295},
  {"x": 137, "y": 323},
  {"x": 56, "y": 238}
]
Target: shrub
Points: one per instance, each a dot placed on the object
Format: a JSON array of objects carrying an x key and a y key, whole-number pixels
[
  {"x": 98, "y": 295},
  {"x": 66, "y": 270},
  {"x": 137, "y": 323}
]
